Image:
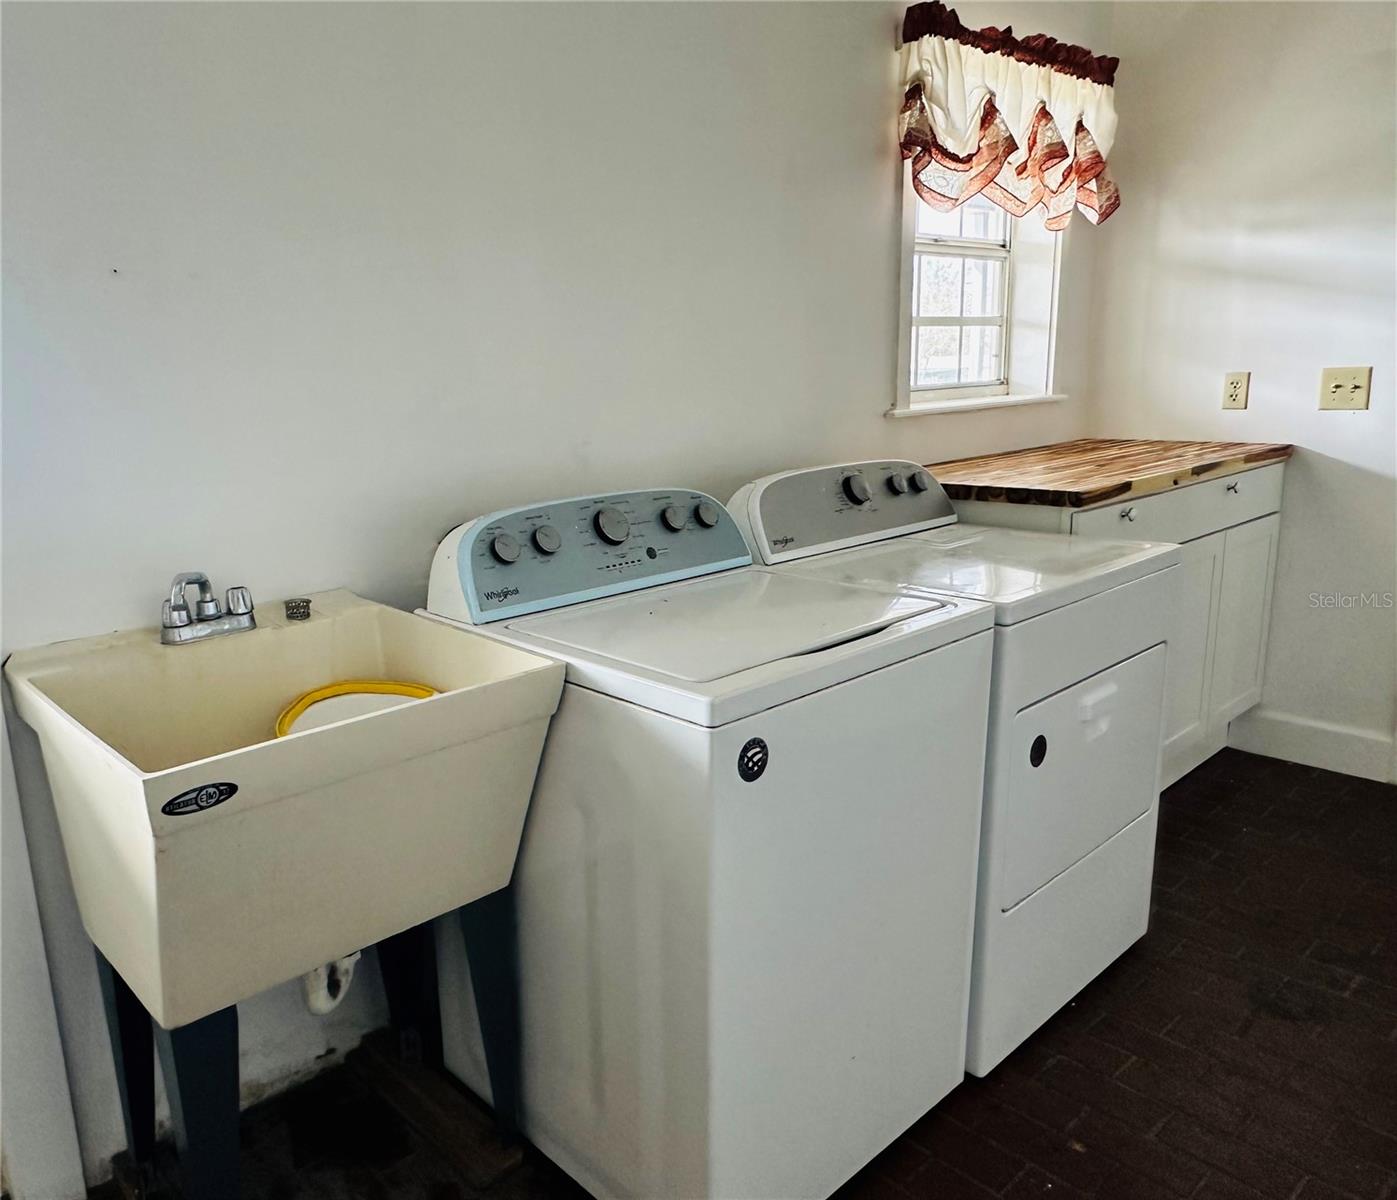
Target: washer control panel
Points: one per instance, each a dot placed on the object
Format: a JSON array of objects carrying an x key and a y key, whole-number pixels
[
  {"x": 799, "y": 513},
  {"x": 544, "y": 556}
]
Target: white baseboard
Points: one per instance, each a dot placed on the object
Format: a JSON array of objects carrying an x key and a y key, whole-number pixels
[{"x": 1362, "y": 752}]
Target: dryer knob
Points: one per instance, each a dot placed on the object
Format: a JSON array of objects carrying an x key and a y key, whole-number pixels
[
  {"x": 706, "y": 514},
  {"x": 504, "y": 548},
  {"x": 611, "y": 526},
  {"x": 920, "y": 481},
  {"x": 897, "y": 483},
  {"x": 856, "y": 488},
  {"x": 673, "y": 517}
]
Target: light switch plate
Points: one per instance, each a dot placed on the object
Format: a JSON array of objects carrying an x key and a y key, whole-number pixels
[
  {"x": 1235, "y": 387},
  {"x": 1345, "y": 387}
]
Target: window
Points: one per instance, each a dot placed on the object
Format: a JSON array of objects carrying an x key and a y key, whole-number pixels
[
  {"x": 960, "y": 291},
  {"x": 979, "y": 299}
]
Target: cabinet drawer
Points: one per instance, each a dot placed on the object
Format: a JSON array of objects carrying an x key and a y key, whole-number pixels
[{"x": 1193, "y": 511}]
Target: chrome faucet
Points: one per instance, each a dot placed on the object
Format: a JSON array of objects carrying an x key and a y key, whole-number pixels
[{"x": 209, "y": 618}]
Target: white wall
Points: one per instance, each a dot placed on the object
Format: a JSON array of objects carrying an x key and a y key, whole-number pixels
[
  {"x": 1256, "y": 165},
  {"x": 292, "y": 289}
]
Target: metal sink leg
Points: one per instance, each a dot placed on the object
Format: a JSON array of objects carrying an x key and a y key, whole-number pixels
[{"x": 200, "y": 1064}]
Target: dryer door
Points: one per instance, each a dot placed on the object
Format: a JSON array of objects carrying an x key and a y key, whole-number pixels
[{"x": 1085, "y": 764}]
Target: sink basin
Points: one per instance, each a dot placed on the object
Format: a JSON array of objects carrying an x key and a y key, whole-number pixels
[{"x": 212, "y": 859}]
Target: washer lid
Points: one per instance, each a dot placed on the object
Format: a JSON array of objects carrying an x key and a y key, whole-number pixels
[
  {"x": 716, "y": 627},
  {"x": 1023, "y": 574}
]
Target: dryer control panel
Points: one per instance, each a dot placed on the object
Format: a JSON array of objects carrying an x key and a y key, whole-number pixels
[
  {"x": 799, "y": 513},
  {"x": 545, "y": 556}
]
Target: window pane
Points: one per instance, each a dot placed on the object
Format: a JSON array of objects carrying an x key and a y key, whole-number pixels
[
  {"x": 981, "y": 219},
  {"x": 980, "y": 354},
  {"x": 983, "y": 292},
  {"x": 940, "y": 285},
  {"x": 935, "y": 361},
  {"x": 976, "y": 218}
]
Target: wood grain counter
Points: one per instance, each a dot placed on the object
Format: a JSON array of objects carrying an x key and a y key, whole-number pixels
[{"x": 1093, "y": 470}]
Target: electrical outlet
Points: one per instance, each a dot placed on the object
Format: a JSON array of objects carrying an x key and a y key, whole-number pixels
[
  {"x": 1235, "y": 386},
  {"x": 1345, "y": 387}
]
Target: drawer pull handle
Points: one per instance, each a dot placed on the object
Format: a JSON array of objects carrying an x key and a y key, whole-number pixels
[
  {"x": 1128, "y": 514},
  {"x": 1232, "y": 487}
]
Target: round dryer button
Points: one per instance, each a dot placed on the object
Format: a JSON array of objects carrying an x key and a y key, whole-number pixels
[
  {"x": 673, "y": 517},
  {"x": 547, "y": 540},
  {"x": 919, "y": 480},
  {"x": 611, "y": 526},
  {"x": 706, "y": 514},
  {"x": 856, "y": 488},
  {"x": 504, "y": 548},
  {"x": 897, "y": 483}
]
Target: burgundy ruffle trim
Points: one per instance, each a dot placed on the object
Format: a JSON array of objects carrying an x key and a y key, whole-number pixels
[
  {"x": 1049, "y": 175},
  {"x": 934, "y": 19}
]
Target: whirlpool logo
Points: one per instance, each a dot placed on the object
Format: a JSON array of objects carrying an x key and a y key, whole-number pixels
[
  {"x": 782, "y": 542},
  {"x": 503, "y": 593}
]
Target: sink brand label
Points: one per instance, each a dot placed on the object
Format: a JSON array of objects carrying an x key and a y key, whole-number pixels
[{"x": 199, "y": 798}]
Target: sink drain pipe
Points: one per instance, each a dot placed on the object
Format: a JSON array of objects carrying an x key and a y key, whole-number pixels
[{"x": 326, "y": 986}]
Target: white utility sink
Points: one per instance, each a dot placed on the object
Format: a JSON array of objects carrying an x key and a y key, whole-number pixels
[{"x": 280, "y": 854}]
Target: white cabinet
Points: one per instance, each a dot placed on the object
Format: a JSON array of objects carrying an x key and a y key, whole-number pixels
[
  {"x": 1217, "y": 650},
  {"x": 1192, "y": 642},
  {"x": 1248, "y": 568}
]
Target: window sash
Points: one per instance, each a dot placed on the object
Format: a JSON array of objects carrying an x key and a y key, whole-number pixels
[
  {"x": 961, "y": 386},
  {"x": 963, "y": 254},
  {"x": 958, "y": 322},
  {"x": 961, "y": 248}
]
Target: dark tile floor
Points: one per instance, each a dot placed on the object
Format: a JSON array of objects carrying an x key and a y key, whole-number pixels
[{"x": 1245, "y": 1048}]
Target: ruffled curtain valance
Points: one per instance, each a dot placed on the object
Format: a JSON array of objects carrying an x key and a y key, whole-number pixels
[{"x": 1021, "y": 121}]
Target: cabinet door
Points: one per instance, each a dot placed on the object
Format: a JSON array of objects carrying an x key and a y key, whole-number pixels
[
  {"x": 1186, "y": 700},
  {"x": 1244, "y": 617}
]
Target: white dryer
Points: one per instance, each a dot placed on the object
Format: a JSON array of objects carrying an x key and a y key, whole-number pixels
[
  {"x": 1076, "y": 710},
  {"x": 746, "y": 883}
]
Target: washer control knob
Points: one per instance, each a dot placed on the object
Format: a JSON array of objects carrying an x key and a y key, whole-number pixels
[
  {"x": 856, "y": 488},
  {"x": 547, "y": 540},
  {"x": 897, "y": 483},
  {"x": 706, "y": 513},
  {"x": 611, "y": 526},
  {"x": 919, "y": 480},
  {"x": 673, "y": 517},
  {"x": 504, "y": 548}
]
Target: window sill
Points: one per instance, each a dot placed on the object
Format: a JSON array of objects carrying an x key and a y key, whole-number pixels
[{"x": 971, "y": 404}]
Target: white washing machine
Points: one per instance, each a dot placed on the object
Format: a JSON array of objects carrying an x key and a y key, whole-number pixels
[
  {"x": 1076, "y": 711},
  {"x": 746, "y": 883}
]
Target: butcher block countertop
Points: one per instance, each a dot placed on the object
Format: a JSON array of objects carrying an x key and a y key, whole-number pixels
[{"x": 1091, "y": 470}]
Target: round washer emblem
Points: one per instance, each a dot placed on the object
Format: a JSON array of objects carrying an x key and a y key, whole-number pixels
[
  {"x": 752, "y": 759},
  {"x": 1038, "y": 751}
]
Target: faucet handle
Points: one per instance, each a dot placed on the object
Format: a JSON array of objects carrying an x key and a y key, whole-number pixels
[
  {"x": 174, "y": 616},
  {"x": 239, "y": 601}
]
